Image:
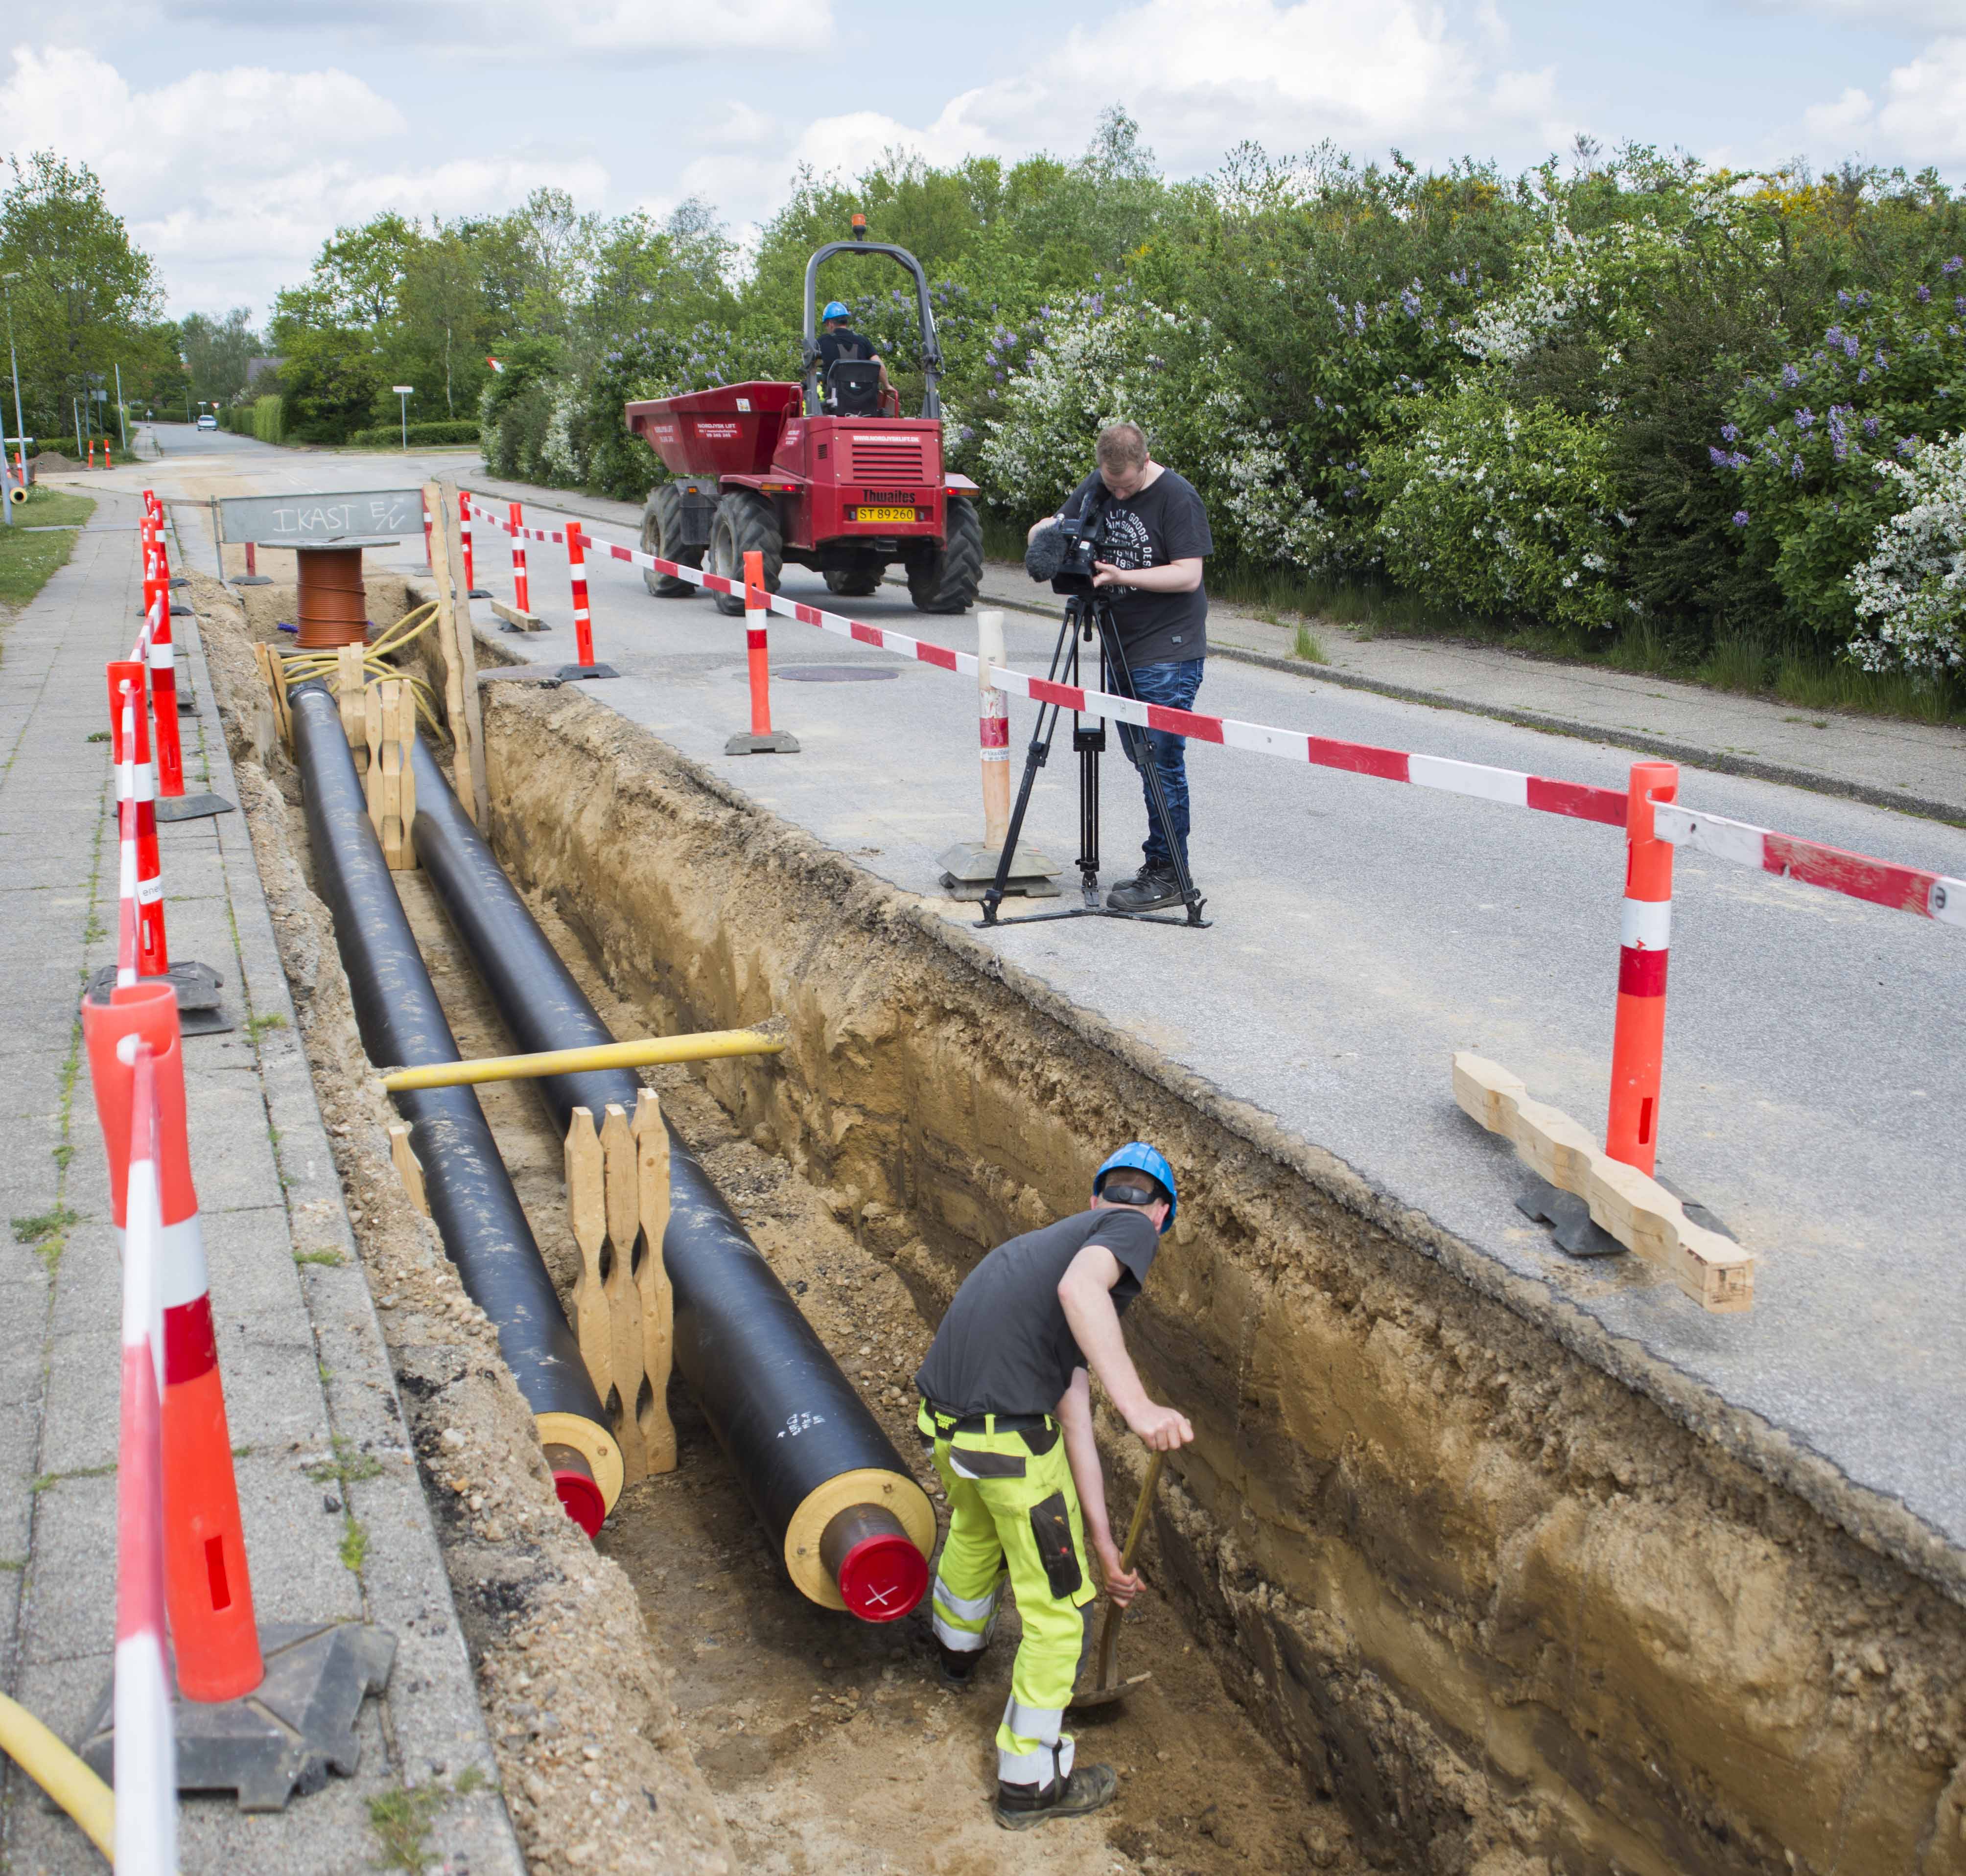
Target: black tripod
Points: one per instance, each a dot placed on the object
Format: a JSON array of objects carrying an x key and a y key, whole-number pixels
[{"x": 1088, "y": 617}]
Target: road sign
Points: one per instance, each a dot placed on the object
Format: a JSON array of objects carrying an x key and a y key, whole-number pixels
[
  {"x": 295, "y": 520},
  {"x": 403, "y": 391}
]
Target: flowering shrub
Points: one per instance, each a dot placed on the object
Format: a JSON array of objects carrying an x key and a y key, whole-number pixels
[
  {"x": 1909, "y": 594},
  {"x": 1812, "y": 445},
  {"x": 1488, "y": 508}
]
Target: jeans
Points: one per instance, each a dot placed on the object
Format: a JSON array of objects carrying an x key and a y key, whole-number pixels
[{"x": 1172, "y": 686}]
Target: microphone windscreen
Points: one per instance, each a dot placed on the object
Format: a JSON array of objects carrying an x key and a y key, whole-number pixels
[{"x": 1046, "y": 554}]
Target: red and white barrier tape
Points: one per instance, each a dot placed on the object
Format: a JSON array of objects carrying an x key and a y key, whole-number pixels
[{"x": 1856, "y": 876}]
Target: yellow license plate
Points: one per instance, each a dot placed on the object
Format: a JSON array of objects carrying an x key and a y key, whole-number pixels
[{"x": 889, "y": 515}]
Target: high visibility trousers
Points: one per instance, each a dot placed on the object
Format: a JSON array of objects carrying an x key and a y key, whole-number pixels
[{"x": 1012, "y": 1509}]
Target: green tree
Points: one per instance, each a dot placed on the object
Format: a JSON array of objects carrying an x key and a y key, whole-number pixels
[
  {"x": 216, "y": 353},
  {"x": 331, "y": 384},
  {"x": 81, "y": 295}
]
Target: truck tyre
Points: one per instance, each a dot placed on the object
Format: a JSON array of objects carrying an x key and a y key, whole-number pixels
[
  {"x": 945, "y": 581},
  {"x": 662, "y": 536},
  {"x": 745, "y": 523},
  {"x": 855, "y": 584}
]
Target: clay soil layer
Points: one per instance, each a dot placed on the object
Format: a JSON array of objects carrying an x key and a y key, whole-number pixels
[{"x": 1509, "y": 1612}]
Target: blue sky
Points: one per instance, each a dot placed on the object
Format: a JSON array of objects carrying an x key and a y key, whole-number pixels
[{"x": 233, "y": 135}]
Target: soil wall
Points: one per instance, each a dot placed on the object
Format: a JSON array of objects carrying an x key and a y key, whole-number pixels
[{"x": 1514, "y": 1615}]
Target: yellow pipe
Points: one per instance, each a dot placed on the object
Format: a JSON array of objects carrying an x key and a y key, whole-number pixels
[
  {"x": 712, "y": 1045},
  {"x": 62, "y": 1776}
]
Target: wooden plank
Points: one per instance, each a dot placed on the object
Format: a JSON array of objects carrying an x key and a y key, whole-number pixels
[
  {"x": 587, "y": 1212},
  {"x": 1716, "y": 1272},
  {"x": 409, "y": 1168},
  {"x": 451, "y": 570},
  {"x": 456, "y": 719},
  {"x": 652, "y": 1279},
  {"x": 268, "y": 661},
  {"x": 351, "y": 683},
  {"x": 392, "y": 781},
  {"x": 624, "y": 1300}
]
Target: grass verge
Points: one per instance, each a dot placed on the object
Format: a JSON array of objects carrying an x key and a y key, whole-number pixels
[{"x": 26, "y": 558}]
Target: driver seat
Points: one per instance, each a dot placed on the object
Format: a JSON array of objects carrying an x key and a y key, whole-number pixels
[{"x": 853, "y": 388}]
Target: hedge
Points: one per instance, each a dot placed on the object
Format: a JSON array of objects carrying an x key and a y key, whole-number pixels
[{"x": 464, "y": 431}]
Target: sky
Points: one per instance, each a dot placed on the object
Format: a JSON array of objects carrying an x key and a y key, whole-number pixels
[{"x": 233, "y": 136}]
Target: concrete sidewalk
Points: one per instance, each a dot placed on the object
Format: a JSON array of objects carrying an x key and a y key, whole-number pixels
[{"x": 335, "y": 1519}]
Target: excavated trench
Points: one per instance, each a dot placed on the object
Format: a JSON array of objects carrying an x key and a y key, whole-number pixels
[{"x": 1480, "y": 1606}]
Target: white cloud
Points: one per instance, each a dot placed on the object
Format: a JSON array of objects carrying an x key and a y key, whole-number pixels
[
  {"x": 1920, "y": 120},
  {"x": 1907, "y": 16},
  {"x": 232, "y": 179}
]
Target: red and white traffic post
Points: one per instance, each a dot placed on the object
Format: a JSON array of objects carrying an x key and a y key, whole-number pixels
[
  {"x": 522, "y": 591},
  {"x": 1638, "y": 1043},
  {"x": 128, "y": 719},
  {"x": 464, "y": 539},
  {"x": 762, "y": 740},
  {"x": 583, "y": 617}
]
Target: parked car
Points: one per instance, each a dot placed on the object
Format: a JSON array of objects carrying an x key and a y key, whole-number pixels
[{"x": 206, "y": 421}]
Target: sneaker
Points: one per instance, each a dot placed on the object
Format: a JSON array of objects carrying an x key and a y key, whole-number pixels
[
  {"x": 1153, "y": 888},
  {"x": 1089, "y": 1788}
]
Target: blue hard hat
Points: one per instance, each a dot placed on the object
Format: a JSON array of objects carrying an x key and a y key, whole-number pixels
[
  {"x": 1138, "y": 1156},
  {"x": 834, "y": 310}
]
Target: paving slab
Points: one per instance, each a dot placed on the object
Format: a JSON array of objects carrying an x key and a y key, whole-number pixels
[{"x": 304, "y": 1363}]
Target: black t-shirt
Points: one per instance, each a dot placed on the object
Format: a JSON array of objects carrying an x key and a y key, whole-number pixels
[
  {"x": 1164, "y": 522},
  {"x": 841, "y": 343},
  {"x": 1005, "y": 1347}
]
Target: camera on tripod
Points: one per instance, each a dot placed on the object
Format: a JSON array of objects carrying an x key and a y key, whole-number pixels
[{"x": 1064, "y": 553}]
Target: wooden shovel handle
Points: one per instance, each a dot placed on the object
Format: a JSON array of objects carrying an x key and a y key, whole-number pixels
[{"x": 1109, "y": 1627}]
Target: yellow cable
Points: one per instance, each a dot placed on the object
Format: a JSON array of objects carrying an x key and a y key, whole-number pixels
[
  {"x": 62, "y": 1776},
  {"x": 711, "y": 1045}
]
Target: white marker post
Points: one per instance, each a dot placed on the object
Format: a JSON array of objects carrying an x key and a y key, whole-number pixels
[{"x": 404, "y": 392}]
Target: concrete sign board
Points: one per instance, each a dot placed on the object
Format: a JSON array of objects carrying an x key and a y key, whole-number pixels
[{"x": 296, "y": 520}]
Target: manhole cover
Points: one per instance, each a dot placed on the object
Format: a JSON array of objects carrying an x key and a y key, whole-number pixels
[{"x": 833, "y": 673}]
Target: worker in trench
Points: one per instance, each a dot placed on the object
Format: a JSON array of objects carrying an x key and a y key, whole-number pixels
[{"x": 1007, "y": 1409}]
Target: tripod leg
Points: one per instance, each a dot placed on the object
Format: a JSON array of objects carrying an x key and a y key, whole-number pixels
[{"x": 1088, "y": 822}]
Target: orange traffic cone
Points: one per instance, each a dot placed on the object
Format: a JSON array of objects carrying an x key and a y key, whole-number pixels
[
  {"x": 106, "y": 463},
  {"x": 207, "y": 1585}
]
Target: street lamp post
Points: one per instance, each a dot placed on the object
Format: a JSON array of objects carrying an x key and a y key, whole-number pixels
[
  {"x": 13, "y": 365},
  {"x": 122, "y": 415},
  {"x": 403, "y": 391}
]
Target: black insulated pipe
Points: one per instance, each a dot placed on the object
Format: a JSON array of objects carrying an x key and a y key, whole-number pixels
[
  {"x": 475, "y": 1209},
  {"x": 812, "y": 1460}
]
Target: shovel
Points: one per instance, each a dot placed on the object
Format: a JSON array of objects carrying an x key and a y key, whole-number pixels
[{"x": 1107, "y": 1686}]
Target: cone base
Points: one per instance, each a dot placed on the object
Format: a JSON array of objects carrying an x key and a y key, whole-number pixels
[
  {"x": 289, "y": 1734},
  {"x": 772, "y": 742},
  {"x": 572, "y": 674},
  {"x": 192, "y": 807}
]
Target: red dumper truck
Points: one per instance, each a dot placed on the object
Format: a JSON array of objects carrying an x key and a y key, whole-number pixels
[{"x": 828, "y": 475}]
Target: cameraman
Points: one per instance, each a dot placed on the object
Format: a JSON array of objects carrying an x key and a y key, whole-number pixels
[{"x": 1155, "y": 537}]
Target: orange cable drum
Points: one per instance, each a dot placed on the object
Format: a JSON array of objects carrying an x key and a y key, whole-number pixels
[{"x": 333, "y": 608}]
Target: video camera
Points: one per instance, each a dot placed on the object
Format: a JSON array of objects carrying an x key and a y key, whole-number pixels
[{"x": 1064, "y": 552}]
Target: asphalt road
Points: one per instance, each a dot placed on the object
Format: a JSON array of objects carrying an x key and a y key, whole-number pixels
[{"x": 1816, "y": 1087}]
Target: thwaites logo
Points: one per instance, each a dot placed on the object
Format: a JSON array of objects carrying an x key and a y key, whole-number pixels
[{"x": 892, "y": 494}]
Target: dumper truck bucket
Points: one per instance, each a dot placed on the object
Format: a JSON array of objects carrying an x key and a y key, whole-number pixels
[{"x": 732, "y": 429}]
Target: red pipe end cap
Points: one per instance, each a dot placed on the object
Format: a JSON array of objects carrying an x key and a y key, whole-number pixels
[
  {"x": 580, "y": 1498},
  {"x": 883, "y": 1577}
]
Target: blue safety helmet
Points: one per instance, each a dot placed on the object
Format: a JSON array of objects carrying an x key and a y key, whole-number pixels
[
  {"x": 834, "y": 310},
  {"x": 1137, "y": 1156}
]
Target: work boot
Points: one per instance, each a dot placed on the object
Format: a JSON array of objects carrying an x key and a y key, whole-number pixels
[
  {"x": 1089, "y": 1788},
  {"x": 1153, "y": 887},
  {"x": 956, "y": 1670}
]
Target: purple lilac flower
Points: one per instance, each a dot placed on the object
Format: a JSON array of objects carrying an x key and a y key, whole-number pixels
[
  {"x": 1882, "y": 363},
  {"x": 1907, "y": 446},
  {"x": 1842, "y": 296},
  {"x": 1740, "y": 517},
  {"x": 1924, "y": 294},
  {"x": 1851, "y": 348},
  {"x": 1729, "y": 434},
  {"x": 1821, "y": 357},
  {"x": 1839, "y": 435},
  {"x": 1953, "y": 266},
  {"x": 1790, "y": 378},
  {"x": 1410, "y": 301},
  {"x": 1718, "y": 458},
  {"x": 1804, "y": 417},
  {"x": 1863, "y": 375},
  {"x": 1795, "y": 468},
  {"x": 1870, "y": 426},
  {"x": 1358, "y": 316}
]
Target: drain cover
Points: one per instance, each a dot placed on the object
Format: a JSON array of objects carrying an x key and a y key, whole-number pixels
[{"x": 833, "y": 673}]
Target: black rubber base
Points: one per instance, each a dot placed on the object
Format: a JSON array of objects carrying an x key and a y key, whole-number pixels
[
  {"x": 478, "y": 593},
  {"x": 192, "y": 807},
  {"x": 286, "y": 1736},
  {"x": 572, "y": 674},
  {"x": 774, "y": 742},
  {"x": 200, "y": 1013},
  {"x": 252, "y": 579},
  {"x": 1577, "y": 1234}
]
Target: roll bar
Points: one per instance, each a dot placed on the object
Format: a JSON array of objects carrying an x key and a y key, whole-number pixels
[{"x": 931, "y": 354}]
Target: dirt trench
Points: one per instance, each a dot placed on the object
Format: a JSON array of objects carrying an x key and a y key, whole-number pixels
[
  {"x": 762, "y": 1733},
  {"x": 1507, "y": 1611}
]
